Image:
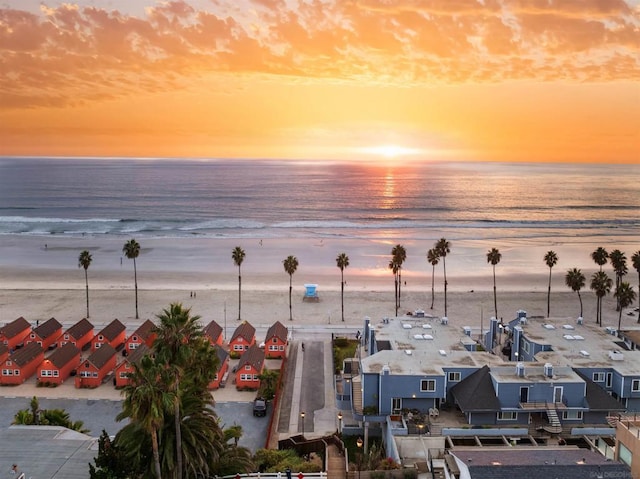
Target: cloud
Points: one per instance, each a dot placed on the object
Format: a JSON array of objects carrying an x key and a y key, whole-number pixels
[{"x": 68, "y": 53}]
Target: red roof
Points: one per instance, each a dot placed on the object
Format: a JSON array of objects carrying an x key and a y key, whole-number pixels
[
  {"x": 27, "y": 354},
  {"x": 101, "y": 356},
  {"x": 145, "y": 329},
  {"x": 49, "y": 327},
  {"x": 63, "y": 355},
  {"x": 14, "y": 327},
  {"x": 254, "y": 356},
  {"x": 277, "y": 330},
  {"x": 213, "y": 330},
  {"x": 79, "y": 329},
  {"x": 244, "y": 330},
  {"x": 112, "y": 330}
]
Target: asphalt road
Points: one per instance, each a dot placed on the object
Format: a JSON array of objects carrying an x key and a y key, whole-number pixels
[{"x": 100, "y": 414}]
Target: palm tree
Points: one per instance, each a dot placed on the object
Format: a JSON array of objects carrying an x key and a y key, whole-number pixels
[
  {"x": 619, "y": 263},
  {"x": 342, "y": 261},
  {"x": 574, "y": 279},
  {"x": 551, "y": 258},
  {"x": 443, "y": 247},
  {"x": 399, "y": 254},
  {"x": 494, "y": 256},
  {"x": 238, "y": 255},
  {"x": 146, "y": 402},
  {"x": 84, "y": 261},
  {"x": 394, "y": 267},
  {"x": 601, "y": 284},
  {"x": 131, "y": 250},
  {"x": 290, "y": 266},
  {"x": 433, "y": 258},
  {"x": 625, "y": 296},
  {"x": 600, "y": 256},
  {"x": 233, "y": 432},
  {"x": 635, "y": 260},
  {"x": 177, "y": 329}
]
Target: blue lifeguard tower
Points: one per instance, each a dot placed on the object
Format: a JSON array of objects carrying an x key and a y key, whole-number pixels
[{"x": 311, "y": 293}]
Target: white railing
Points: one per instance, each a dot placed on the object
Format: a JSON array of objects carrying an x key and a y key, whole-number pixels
[{"x": 272, "y": 475}]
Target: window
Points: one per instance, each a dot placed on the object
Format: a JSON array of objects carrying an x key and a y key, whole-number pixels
[
  {"x": 273, "y": 348},
  {"x": 525, "y": 346},
  {"x": 507, "y": 416},
  {"x": 216, "y": 377},
  {"x": 280, "y": 348},
  {"x": 396, "y": 405},
  {"x": 56, "y": 373},
  {"x": 85, "y": 374},
  {"x": 598, "y": 377},
  {"x": 133, "y": 346},
  {"x": 98, "y": 345},
  {"x": 635, "y": 385},
  {"x": 454, "y": 376},
  {"x": 16, "y": 372},
  {"x": 247, "y": 367},
  {"x": 123, "y": 375},
  {"x": 275, "y": 340},
  {"x": 572, "y": 415},
  {"x": 66, "y": 337},
  {"x": 95, "y": 374},
  {"x": 238, "y": 347},
  {"x": 427, "y": 385},
  {"x": 33, "y": 336},
  {"x": 7, "y": 372}
]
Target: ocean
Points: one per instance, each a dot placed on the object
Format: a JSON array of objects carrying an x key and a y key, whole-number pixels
[{"x": 299, "y": 199}]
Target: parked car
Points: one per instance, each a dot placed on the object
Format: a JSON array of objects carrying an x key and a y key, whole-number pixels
[{"x": 259, "y": 407}]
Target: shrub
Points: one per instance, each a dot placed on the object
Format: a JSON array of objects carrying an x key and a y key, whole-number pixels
[{"x": 410, "y": 474}]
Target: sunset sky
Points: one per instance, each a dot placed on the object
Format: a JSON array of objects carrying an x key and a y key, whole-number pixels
[{"x": 529, "y": 80}]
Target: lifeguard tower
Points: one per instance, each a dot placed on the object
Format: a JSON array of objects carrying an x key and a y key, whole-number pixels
[{"x": 311, "y": 293}]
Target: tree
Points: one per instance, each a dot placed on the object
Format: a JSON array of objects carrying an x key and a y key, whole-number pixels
[
  {"x": 399, "y": 254},
  {"x": 342, "y": 261},
  {"x": 84, "y": 261},
  {"x": 443, "y": 247},
  {"x": 600, "y": 256},
  {"x": 551, "y": 259},
  {"x": 131, "y": 250},
  {"x": 177, "y": 327},
  {"x": 601, "y": 284},
  {"x": 233, "y": 432},
  {"x": 394, "y": 267},
  {"x": 575, "y": 280},
  {"x": 146, "y": 402},
  {"x": 635, "y": 260},
  {"x": 290, "y": 266},
  {"x": 494, "y": 256},
  {"x": 433, "y": 258},
  {"x": 268, "y": 383},
  {"x": 111, "y": 462},
  {"x": 238, "y": 255},
  {"x": 619, "y": 264},
  {"x": 625, "y": 296}
]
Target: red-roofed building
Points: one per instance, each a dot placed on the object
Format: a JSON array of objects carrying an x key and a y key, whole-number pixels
[
  {"x": 213, "y": 331},
  {"x": 46, "y": 334},
  {"x": 145, "y": 334},
  {"x": 250, "y": 367},
  {"x": 121, "y": 376},
  {"x": 113, "y": 334},
  {"x": 21, "y": 365},
  {"x": 14, "y": 333},
  {"x": 4, "y": 353},
  {"x": 275, "y": 342},
  {"x": 96, "y": 367},
  {"x": 223, "y": 367},
  {"x": 57, "y": 367},
  {"x": 243, "y": 338},
  {"x": 80, "y": 334}
]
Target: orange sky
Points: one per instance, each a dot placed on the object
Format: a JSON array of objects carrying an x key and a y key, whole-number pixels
[{"x": 526, "y": 80}]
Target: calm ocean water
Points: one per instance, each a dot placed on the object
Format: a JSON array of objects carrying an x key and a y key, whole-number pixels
[{"x": 271, "y": 199}]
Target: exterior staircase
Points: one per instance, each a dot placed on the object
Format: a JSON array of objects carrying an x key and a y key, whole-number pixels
[
  {"x": 357, "y": 394},
  {"x": 554, "y": 426}
]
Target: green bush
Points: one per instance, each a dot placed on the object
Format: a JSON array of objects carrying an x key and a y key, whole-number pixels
[{"x": 410, "y": 474}]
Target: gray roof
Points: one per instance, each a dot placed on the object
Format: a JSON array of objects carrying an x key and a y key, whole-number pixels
[
  {"x": 222, "y": 355},
  {"x": 253, "y": 356},
  {"x": 213, "y": 331},
  {"x": 476, "y": 393},
  {"x": 277, "y": 330},
  {"x": 244, "y": 330},
  {"x": 46, "y": 452},
  {"x": 101, "y": 355},
  {"x": 537, "y": 463},
  {"x": 112, "y": 330},
  {"x": 27, "y": 354},
  {"x": 598, "y": 399}
]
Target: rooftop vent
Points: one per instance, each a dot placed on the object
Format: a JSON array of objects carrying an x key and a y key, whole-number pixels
[
  {"x": 467, "y": 330},
  {"x": 568, "y": 326},
  {"x": 548, "y": 370},
  {"x": 427, "y": 336},
  {"x": 406, "y": 326},
  {"x": 584, "y": 353},
  {"x": 616, "y": 356},
  {"x": 408, "y": 351},
  {"x": 417, "y": 336},
  {"x": 548, "y": 326},
  {"x": 442, "y": 352},
  {"x": 444, "y": 320},
  {"x": 611, "y": 330},
  {"x": 580, "y": 320},
  {"x": 427, "y": 326},
  {"x": 520, "y": 369}
]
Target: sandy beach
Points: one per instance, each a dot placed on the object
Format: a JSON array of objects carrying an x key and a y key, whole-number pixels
[{"x": 39, "y": 282}]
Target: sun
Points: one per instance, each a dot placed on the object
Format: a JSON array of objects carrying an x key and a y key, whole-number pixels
[{"x": 390, "y": 151}]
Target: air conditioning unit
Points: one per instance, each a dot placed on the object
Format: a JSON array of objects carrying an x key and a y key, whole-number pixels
[{"x": 611, "y": 330}]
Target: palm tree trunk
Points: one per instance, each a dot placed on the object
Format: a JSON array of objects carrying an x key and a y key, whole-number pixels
[
  {"x": 290, "y": 288},
  {"x": 433, "y": 277},
  {"x": 444, "y": 267},
  {"x": 618, "y": 280},
  {"x": 495, "y": 295},
  {"x": 342, "y": 293},
  {"x": 549, "y": 295},
  {"x": 619, "y": 319},
  {"x": 580, "y": 298},
  {"x": 156, "y": 453},
  {"x": 239, "y": 293},
  {"x": 395, "y": 280},
  {"x": 399, "y": 287},
  {"x": 86, "y": 282},
  {"x": 176, "y": 411},
  {"x": 597, "y": 309},
  {"x": 135, "y": 282}
]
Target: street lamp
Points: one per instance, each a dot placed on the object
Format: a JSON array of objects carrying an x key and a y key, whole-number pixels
[
  {"x": 302, "y": 417},
  {"x": 340, "y": 422},
  {"x": 359, "y": 443},
  {"x": 420, "y": 426}
]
